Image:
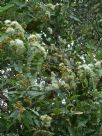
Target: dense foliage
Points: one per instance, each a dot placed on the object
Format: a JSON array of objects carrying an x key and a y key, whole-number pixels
[{"x": 50, "y": 68}]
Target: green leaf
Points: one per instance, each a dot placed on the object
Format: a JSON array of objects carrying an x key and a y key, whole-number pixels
[
  {"x": 5, "y": 8},
  {"x": 100, "y": 130},
  {"x": 2, "y": 37},
  {"x": 82, "y": 123},
  {"x": 3, "y": 123},
  {"x": 35, "y": 112},
  {"x": 71, "y": 131},
  {"x": 74, "y": 97},
  {"x": 99, "y": 55},
  {"x": 35, "y": 93},
  {"x": 74, "y": 18},
  {"x": 27, "y": 119},
  {"x": 14, "y": 114},
  {"x": 90, "y": 46}
]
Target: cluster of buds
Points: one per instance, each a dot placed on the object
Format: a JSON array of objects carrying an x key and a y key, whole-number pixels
[
  {"x": 34, "y": 41},
  {"x": 89, "y": 69},
  {"x": 16, "y": 39},
  {"x": 67, "y": 77},
  {"x": 19, "y": 106},
  {"x": 18, "y": 46},
  {"x": 90, "y": 73},
  {"x": 86, "y": 69},
  {"x": 33, "y": 38},
  {"x": 46, "y": 120},
  {"x": 50, "y": 6},
  {"x": 13, "y": 28}
]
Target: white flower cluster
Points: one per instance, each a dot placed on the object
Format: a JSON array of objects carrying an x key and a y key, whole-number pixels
[
  {"x": 50, "y": 30},
  {"x": 61, "y": 40},
  {"x": 51, "y": 6},
  {"x": 15, "y": 36},
  {"x": 54, "y": 83},
  {"x": 87, "y": 69},
  {"x": 27, "y": 1},
  {"x": 16, "y": 39},
  {"x": 13, "y": 28},
  {"x": 90, "y": 73},
  {"x": 35, "y": 42},
  {"x": 46, "y": 120},
  {"x": 18, "y": 45},
  {"x": 34, "y": 38},
  {"x": 98, "y": 64},
  {"x": 68, "y": 77}
]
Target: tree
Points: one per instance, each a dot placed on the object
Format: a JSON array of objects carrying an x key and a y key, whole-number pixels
[{"x": 50, "y": 68}]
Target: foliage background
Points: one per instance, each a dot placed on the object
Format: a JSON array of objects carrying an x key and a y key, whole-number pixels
[{"x": 65, "y": 86}]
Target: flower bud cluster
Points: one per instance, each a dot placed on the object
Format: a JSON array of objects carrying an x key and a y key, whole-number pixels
[
  {"x": 90, "y": 73},
  {"x": 67, "y": 77},
  {"x": 50, "y": 6},
  {"x": 34, "y": 41},
  {"x": 19, "y": 106},
  {"x": 46, "y": 120},
  {"x": 14, "y": 37},
  {"x": 14, "y": 29},
  {"x": 18, "y": 46},
  {"x": 17, "y": 39}
]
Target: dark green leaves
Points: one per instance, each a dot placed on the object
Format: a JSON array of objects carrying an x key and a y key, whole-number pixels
[
  {"x": 99, "y": 55},
  {"x": 5, "y": 8}
]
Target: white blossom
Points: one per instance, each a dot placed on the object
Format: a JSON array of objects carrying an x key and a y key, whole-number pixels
[
  {"x": 49, "y": 39},
  {"x": 38, "y": 36},
  {"x": 7, "y": 22},
  {"x": 15, "y": 23},
  {"x": 12, "y": 42},
  {"x": 17, "y": 26},
  {"x": 26, "y": 0},
  {"x": 91, "y": 65},
  {"x": 61, "y": 40},
  {"x": 48, "y": 14},
  {"x": 61, "y": 82},
  {"x": 18, "y": 46},
  {"x": 10, "y": 30},
  {"x": 19, "y": 42},
  {"x": 46, "y": 120},
  {"x": 34, "y": 41},
  {"x": 64, "y": 102},
  {"x": 34, "y": 38},
  {"x": 98, "y": 64},
  {"x": 50, "y": 30},
  {"x": 54, "y": 81},
  {"x": 51, "y": 6},
  {"x": 85, "y": 69}
]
